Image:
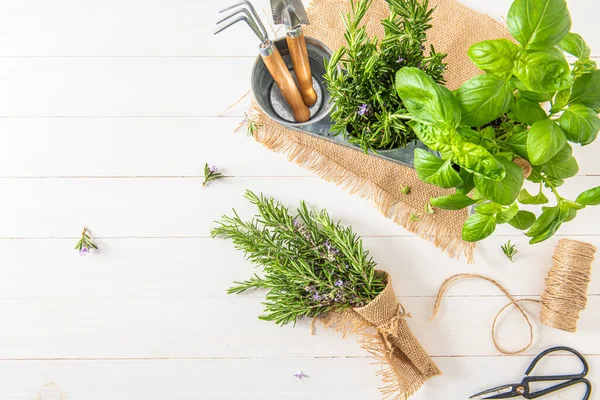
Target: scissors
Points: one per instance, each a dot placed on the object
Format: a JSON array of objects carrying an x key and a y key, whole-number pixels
[{"x": 522, "y": 389}]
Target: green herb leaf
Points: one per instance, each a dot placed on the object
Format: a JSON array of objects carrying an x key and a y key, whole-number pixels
[
  {"x": 490, "y": 208},
  {"x": 538, "y": 23},
  {"x": 478, "y": 160},
  {"x": 527, "y": 111},
  {"x": 518, "y": 143},
  {"x": 467, "y": 184},
  {"x": 453, "y": 202},
  {"x": 426, "y": 164},
  {"x": 526, "y": 198},
  {"x": 575, "y": 45},
  {"x": 563, "y": 155},
  {"x": 426, "y": 100},
  {"x": 561, "y": 99},
  {"x": 445, "y": 177},
  {"x": 543, "y": 71},
  {"x": 483, "y": 98},
  {"x": 436, "y": 137},
  {"x": 581, "y": 124},
  {"x": 470, "y": 135},
  {"x": 523, "y": 220},
  {"x": 504, "y": 192},
  {"x": 509, "y": 250},
  {"x": 507, "y": 213},
  {"x": 544, "y": 222},
  {"x": 494, "y": 56},
  {"x": 544, "y": 140},
  {"x": 586, "y": 90},
  {"x": 478, "y": 227},
  {"x": 590, "y": 197},
  {"x": 563, "y": 170}
]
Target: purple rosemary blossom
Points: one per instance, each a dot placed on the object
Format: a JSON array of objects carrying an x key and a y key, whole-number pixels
[
  {"x": 310, "y": 288},
  {"x": 317, "y": 297},
  {"x": 84, "y": 251},
  {"x": 363, "y": 109},
  {"x": 422, "y": 48},
  {"x": 339, "y": 283},
  {"x": 339, "y": 297},
  {"x": 300, "y": 375},
  {"x": 400, "y": 60},
  {"x": 86, "y": 243},
  {"x": 213, "y": 169},
  {"x": 297, "y": 224},
  {"x": 211, "y": 173}
]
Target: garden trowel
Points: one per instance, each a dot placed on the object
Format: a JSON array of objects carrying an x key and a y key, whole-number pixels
[{"x": 291, "y": 13}]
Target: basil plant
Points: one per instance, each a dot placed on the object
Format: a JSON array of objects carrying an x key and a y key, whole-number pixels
[{"x": 516, "y": 121}]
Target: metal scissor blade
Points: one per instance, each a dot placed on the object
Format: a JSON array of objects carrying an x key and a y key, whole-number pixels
[{"x": 507, "y": 391}]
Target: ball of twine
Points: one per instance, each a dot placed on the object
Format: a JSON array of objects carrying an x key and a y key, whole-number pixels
[
  {"x": 564, "y": 297},
  {"x": 566, "y": 284}
]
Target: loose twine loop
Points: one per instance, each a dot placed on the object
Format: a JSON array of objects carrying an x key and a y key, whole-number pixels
[{"x": 564, "y": 297}]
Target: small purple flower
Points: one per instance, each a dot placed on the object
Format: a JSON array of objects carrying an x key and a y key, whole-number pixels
[
  {"x": 84, "y": 251},
  {"x": 297, "y": 224},
  {"x": 400, "y": 60},
  {"x": 339, "y": 297},
  {"x": 300, "y": 375},
  {"x": 339, "y": 283},
  {"x": 310, "y": 288},
  {"x": 422, "y": 48},
  {"x": 317, "y": 297},
  {"x": 213, "y": 169},
  {"x": 347, "y": 266},
  {"x": 363, "y": 109}
]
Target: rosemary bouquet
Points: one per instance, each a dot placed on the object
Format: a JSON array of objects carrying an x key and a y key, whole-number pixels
[
  {"x": 360, "y": 76},
  {"x": 312, "y": 266}
]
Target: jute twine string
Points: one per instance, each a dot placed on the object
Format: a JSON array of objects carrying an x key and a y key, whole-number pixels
[{"x": 564, "y": 297}]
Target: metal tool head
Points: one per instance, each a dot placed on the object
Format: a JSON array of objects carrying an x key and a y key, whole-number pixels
[
  {"x": 501, "y": 392},
  {"x": 291, "y": 13},
  {"x": 243, "y": 11}
]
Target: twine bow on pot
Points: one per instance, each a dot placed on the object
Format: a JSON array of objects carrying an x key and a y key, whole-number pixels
[{"x": 394, "y": 345}]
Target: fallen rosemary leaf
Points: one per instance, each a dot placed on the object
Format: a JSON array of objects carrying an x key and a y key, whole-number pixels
[
  {"x": 405, "y": 190},
  {"x": 509, "y": 250}
]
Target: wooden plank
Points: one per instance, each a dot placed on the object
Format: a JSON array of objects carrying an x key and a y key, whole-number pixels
[
  {"x": 229, "y": 327},
  {"x": 205, "y": 268},
  {"x": 84, "y": 87},
  {"x": 164, "y": 27},
  {"x": 134, "y": 147},
  {"x": 269, "y": 379},
  {"x": 129, "y": 147},
  {"x": 176, "y": 207}
]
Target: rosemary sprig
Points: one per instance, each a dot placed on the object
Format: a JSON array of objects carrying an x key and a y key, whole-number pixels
[
  {"x": 211, "y": 173},
  {"x": 311, "y": 265},
  {"x": 86, "y": 243},
  {"x": 509, "y": 250},
  {"x": 360, "y": 75},
  {"x": 251, "y": 123}
]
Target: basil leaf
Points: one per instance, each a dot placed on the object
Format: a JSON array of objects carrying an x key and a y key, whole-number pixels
[
  {"x": 543, "y": 223},
  {"x": 523, "y": 220},
  {"x": 544, "y": 140},
  {"x": 547, "y": 234},
  {"x": 518, "y": 144},
  {"x": 586, "y": 90},
  {"x": 445, "y": 177},
  {"x": 526, "y": 94},
  {"x": 590, "y": 197},
  {"x": 426, "y": 164},
  {"x": 562, "y": 170},
  {"x": 526, "y": 198},
  {"x": 478, "y": 160},
  {"x": 483, "y": 98},
  {"x": 469, "y": 135},
  {"x": 467, "y": 184},
  {"x": 563, "y": 155},
  {"x": 425, "y": 100},
  {"x": 507, "y": 214},
  {"x": 561, "y": 100},
  {"x": 538, "y": 23},
  {"x": 453, "y": 202},
  {"x": 436, "y": 137},
  {"x": 490, "y": 208},
  {"x": 503, "y": 192},
  {"x": 478, "y": 227},
  {"x": 571, "y": 216},
  {"x": 527, "y": 111},
  {"x": 581, "y": 124},
  {"x": 575, "y": 45},
  {"x": 494, "y": 56},
  {"x": 543, "y": 71}
]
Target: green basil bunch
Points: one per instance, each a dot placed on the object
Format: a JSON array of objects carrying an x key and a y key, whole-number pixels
[
  {"x": 512, "y": 123},
  {"x": 360, "y": 74}
]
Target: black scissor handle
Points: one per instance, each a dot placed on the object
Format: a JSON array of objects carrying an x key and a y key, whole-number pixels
[
  {"x": 537, "y": 359},
  {"x": 540, "y": 393}
]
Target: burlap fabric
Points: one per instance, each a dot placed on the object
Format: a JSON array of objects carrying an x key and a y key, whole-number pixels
[
  {"x": 455, "y": 28},
  {"x": 405, "y": 364}
]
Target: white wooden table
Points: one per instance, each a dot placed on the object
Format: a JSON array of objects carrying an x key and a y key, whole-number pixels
[{"x": 107, "y": 117}]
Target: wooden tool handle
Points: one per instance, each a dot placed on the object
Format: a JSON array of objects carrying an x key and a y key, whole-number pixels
[
  {"x": 299, "y": 54},
  {"x": 286, "y": 84}
]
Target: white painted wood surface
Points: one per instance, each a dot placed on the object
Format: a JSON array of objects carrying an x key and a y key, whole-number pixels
[{"x": 107, "y": 115}]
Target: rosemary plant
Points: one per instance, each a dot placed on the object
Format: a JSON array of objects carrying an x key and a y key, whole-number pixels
[
  {"x": 311, "y": 265},
  {"x": 360, "y": 75}
]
